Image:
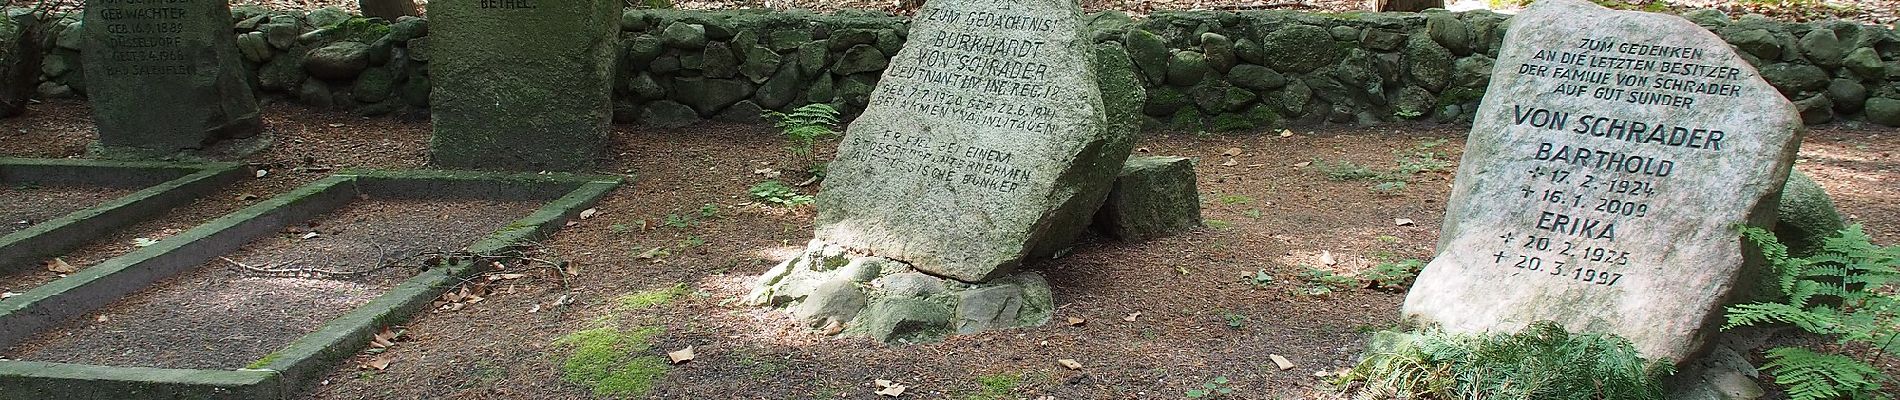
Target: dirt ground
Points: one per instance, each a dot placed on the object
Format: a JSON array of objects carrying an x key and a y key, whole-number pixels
[
  {"x": 1160, "y": 317},
  {"x": 254, "y": 301},
  {"x": 23, "y": 206}
]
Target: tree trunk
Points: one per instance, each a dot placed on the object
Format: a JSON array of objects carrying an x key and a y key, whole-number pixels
[{"x": 387, "y": 9}]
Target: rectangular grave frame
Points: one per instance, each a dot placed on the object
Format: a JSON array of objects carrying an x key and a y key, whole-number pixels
[
  {"x": 163, "y": 186},
  {"x": 284, "y": 372}
]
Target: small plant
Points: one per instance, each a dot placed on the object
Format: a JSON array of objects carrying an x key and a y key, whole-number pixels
[
  {"x": 1234, "y": 199},
  {"x": 779, "y": 193},
  {"x": 1235, "y": 321},
  {"x": 1541, "y": 362},
  {"x": 1393, "y": 275},
  {"x": 1252, "y": 213},
  {"x": 709, "y": 211},
  {"x": 1389, "y": 188},
  {"x": 678, "y": 221},
  {"x": 996, "y": 386},
  {"x": 1344, "y": 171},
  {"x": 1261, "y": 279},
  {"x": 1217, "y": 224},
  {"x": 1320, "y": 282},
  {"x": 806, "y": 125},
  {"x": 1842, "y": 292},
  {"x": 1213, "y": 388},
  {"x": 619, "y": 229}
]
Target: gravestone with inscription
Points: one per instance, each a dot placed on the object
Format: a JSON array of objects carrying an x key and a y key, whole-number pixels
[
  {"x": 522, "y": 84},
  {"x": 1613, "y": 155},
  {"x": 986, "y": 133},
  {"x": 164, "y": 76},
  {"x": 993, "y": 136}
]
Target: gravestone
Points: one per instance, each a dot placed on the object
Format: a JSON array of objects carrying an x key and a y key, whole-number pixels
[
  {"x": 985, "y": 144},
  {"x": 164, "y": 76},
  {"x": 1613, "y": 155},
  {"x": 988, "y": 141},
  {"x": 522, "y": 84}
]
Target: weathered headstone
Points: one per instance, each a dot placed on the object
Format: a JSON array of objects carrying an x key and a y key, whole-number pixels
[
  {"x": 164, "y": 76},
  {"x": 988, "y": 141},
  {"x": 522, "y": 84},
  {"x": 1613, "y": 155},
  {"x": 985, "y": 144},
  {"x": 1153, "y": 197}
]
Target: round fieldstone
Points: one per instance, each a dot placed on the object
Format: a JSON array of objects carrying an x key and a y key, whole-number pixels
[
  {"x": 718, "y": 61},
  {"x": 668, "y": 114},
  {"x": 1793, "y": 78},
  {"x": 1449, "y": 31},
  {"x": 1757, "y": 42},
  {"x": 1884, "y": 111},
  {"x": 1823, "y": 47},
  {"x": 1301, "y": 48},
  {"x": 1219, "y": 51},
  {"x": 1707, "y": 18},
  {"x": 337, "y": 61},
  {"x": 1150, "y": 53},
  {"x": 254, "y": 47},
  {"x": 1865, "y": 62},
  {"x": 683, "y": 35},
  {"x": 1848, "y": 96},
  {"x": 1806, "y": 216},
  {"x": 1428, "y": 64},
  {"x": 408, "y": 28},
  {"x": 1187, "y": 68},
  {"x": 1255, "y": 77},
  {"x": 861, "y": 58},
  {"x": 709, "y": 96}
]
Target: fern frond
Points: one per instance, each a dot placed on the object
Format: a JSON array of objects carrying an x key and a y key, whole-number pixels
[{"x": 1814, "y": 376}]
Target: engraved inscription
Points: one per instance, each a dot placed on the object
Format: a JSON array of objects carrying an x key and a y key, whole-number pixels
[{"x": 143, "y": 36}]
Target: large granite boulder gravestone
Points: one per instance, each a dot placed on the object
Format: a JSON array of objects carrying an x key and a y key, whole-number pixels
[
  {"x": 522, "y": 84},
  {"x": 165, "y": 76},
  {"x": 1603, "y": 178},
  {"x": 989, "y": 141},
  {"x": 985, "y": 134}
]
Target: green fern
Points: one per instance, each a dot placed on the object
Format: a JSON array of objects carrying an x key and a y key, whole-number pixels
[
  {"x": 1815, "y": 376},
  {"x": 1840, "y": 292},
  {"x": 805, "y": 125}
]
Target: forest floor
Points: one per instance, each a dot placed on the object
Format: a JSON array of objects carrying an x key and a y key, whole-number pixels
[{"x": 665, "y": 258}]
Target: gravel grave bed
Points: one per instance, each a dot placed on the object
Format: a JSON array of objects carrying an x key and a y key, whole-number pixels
[
  {"x": 221, "y": 316},
  {"x": 22, "y": 207}
]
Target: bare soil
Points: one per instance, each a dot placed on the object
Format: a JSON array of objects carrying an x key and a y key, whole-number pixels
[
  {"x": 1160, "y": 317},
  {"x": 22, "y": 207},
  {"x": 227, "y": 314}
]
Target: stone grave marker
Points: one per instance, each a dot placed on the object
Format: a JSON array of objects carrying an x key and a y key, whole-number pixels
[
  {"x": 985, "y": 144},
  {"x": 164, "y": 76},
  {"x": 1613, "y": 155},
  {"x": 989, "y": 141},
  {"x": 522, "y": 84}
]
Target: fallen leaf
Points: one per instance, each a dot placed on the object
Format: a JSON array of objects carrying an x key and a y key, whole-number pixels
[
  {"x": 1286, "y": 133},
  {"x": 262, "y": 172},
  {"x": 311, "y": 235},
  {"x": 681, "y": 355},
  {"x": 589, "y": 213},
  {"x": 651, "y": 253},
  {"x": 832, "y": 328},
  {"x": 1281, "y": 362},
  {"x": 768, "y": 172},
  {"x": 1131, "y": 317},
  {"x": 143, "y": 242},
  {"x": 4, "y": 295},
  {"x": 1326, "y": 257},
  {"x": 1070, "y": 364},
  {"x": 1302, "y": 164},
  {"x": 102, "y": 318},
  {"x": 246, "y": 197},
  {"x": 503, "y": 277},
  {"x": 336, "y": 125},
  {"x": 571, "y": 269},
  {"x": 889, "y": 389},
  {"x": 1231, "y": 152},
  {"x": 1077, "y": 321},
  {"x": 385, "y": 337},
  {"x": 379, "y": 362},
  {"x": 883, "y": 383},
  {"x": 1141, "y": 150},
  {"x": 1230, "y": 162},
  {"x": 59, "y": 266},
  {"x": 1403, "y": 222},
  {"x": 535, "y": 309}
]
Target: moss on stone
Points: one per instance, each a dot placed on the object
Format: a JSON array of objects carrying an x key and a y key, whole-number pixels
[{"x": 610, "y": 361}]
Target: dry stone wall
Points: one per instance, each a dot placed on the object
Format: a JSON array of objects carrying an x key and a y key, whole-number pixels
[{"x": 1204, "y": 70}]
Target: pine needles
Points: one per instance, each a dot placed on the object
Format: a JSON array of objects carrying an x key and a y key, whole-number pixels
[{"x": 1541, "y": 362}]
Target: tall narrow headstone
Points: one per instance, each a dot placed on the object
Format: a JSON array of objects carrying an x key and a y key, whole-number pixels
[
  {"x": 985, "y": 144},
  {"x": 522, "y": 84},
  {"x": 164, "y": 76},
  {"x": 1603, "y": 178}
]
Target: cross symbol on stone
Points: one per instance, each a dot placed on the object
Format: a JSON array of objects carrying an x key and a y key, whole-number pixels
[
  {"x": 1507, "y": 237},
  {"x": 1538, "y": 172},
  {"x": 1500, "y": 257}
]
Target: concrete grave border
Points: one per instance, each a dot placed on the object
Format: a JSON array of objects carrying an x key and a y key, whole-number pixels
[
  {"x": 164, "y": 186},
  {"x": 282, "y": 373}
]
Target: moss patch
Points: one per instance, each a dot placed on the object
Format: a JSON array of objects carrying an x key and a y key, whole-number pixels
[
  {"x": 996, "y": 386},
  {"x": 650, "y": 298},
  {"x": 610, "y": 361}
]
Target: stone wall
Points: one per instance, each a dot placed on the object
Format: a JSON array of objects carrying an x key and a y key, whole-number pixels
[{"x": 1215, "y": 71}]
